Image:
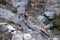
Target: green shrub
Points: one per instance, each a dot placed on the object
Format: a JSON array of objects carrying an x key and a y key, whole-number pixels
[
  {"x": 57, "y": 21},
  {"x": 57, "y": 16}
]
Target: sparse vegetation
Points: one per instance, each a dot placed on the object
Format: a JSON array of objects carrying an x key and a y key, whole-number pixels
[
  {"x": 57, "y": 21},
  {"x": 22, "y": 22},
  {"x": 32, "y": 14}
]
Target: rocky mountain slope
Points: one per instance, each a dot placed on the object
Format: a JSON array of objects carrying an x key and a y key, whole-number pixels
[{"x": 29, "y": 20}]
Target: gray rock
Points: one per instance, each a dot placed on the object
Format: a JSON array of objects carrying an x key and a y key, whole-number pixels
[
  {"x": 21, "y": 4},
  {"x": 10, "y": 28},
  {"x": 17, "y": 35},
  {"x": 37, "y": 36},
  {"x": 55, "y": 38},
  {"x": 8, "y": 15},
  {"x": 50, "y": 15},
  {"x": 28, "y": 36},
  {"x": 3, "y": 27},
  {"x": 49, "y": 26},
  {"x": 2, "y": 6},
  {"x": 53, "y": 5},
  {"x": 41, "y": 18}
]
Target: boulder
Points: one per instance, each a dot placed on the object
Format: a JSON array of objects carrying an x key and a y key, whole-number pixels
[
  {"x": 17, "y": 35},
  {"x": 49, "y": 26},
  {"x": 3, "y": 26},
  {"x": 49, "y": 14},
  {"x": 10, "y": 28},
  {"x": 55, "y": 38},
  {"x": 41, "y": 18},
  {"x": 28, "y": 36}
]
